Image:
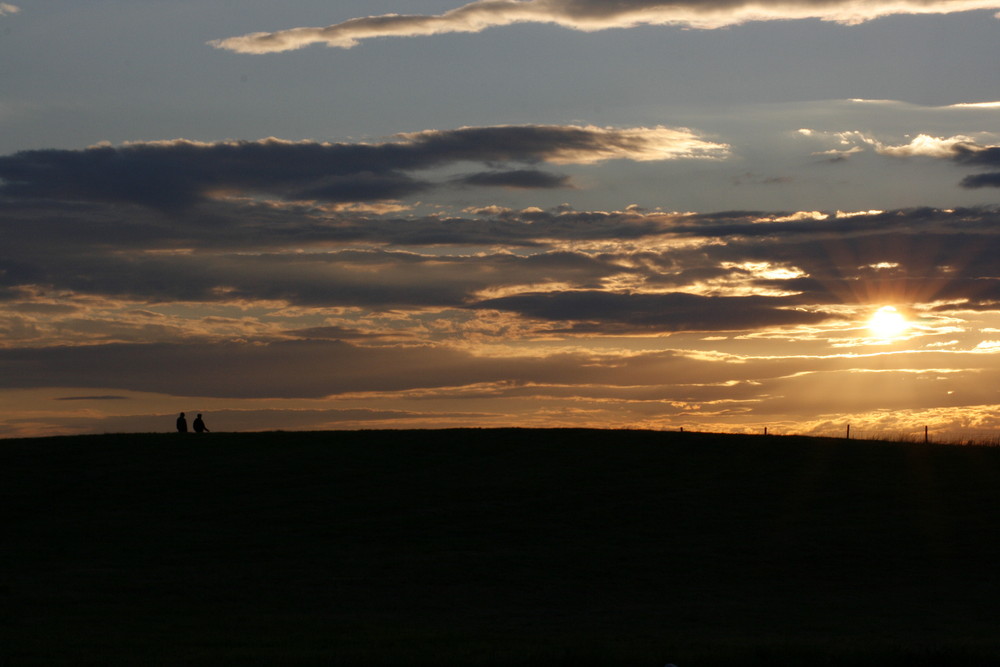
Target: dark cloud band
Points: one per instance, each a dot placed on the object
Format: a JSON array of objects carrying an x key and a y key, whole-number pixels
[{"x": 173, "y": 175}]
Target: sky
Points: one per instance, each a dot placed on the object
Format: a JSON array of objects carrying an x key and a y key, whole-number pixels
[{"x": 714, "y": 215}]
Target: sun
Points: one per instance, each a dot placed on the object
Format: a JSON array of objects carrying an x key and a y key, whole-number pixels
[{"x": 887, "y": 322}]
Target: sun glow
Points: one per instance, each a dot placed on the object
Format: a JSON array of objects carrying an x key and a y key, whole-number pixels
[{"x": 887, "y": 323}]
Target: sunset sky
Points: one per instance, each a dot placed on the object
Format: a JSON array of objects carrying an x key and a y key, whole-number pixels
[{"x": 324, "y": 214}]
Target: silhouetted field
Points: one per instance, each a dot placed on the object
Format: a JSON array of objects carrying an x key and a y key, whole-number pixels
[{"x": 498, "y": 547}]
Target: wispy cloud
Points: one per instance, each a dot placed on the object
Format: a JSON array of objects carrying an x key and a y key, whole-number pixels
[
  {"x": 976, "y": 105},
  {"x": 587, "y": 15},
  {"x": 6, "y": 8}
]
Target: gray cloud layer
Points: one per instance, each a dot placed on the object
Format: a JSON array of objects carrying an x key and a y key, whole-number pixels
[
  {"x": 655, "y": 272},
  {"x": 588, "y": 15}
]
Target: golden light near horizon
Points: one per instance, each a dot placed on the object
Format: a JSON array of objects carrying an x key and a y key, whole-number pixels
[{"x": 887, "y": 323}]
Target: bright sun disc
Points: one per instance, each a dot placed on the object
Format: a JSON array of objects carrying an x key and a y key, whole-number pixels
[{"x": 887, "y": 322}]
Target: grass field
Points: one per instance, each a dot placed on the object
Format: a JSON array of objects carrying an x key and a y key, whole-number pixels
[{"x": 498, "y": 547}]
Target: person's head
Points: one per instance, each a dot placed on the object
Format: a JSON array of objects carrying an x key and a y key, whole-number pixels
[
  {"x": 199, "y": 415},
  {"x": 182, "y": 414}
]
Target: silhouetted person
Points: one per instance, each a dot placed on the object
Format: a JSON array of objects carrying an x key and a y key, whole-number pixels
[
  {"x": 182, "y": 424},
  {"x": 199, "y": 425}
]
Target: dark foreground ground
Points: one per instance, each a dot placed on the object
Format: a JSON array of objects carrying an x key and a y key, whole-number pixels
[{"x": 497, "y": 547}]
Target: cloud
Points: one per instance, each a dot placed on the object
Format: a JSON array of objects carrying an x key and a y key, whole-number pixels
[
  {"x": 976, "y": 105},
  {"x": 960, "y": 149},
  {"x": 173, "y": 175},
  {"x": 980, "y": 156},
  {"x": 6, "y": 8},
  {"x": 988, "y": 156},
  {"x": 567, "y": 144},
  {"x": 924, "y": 145},
  {"x": 991, "y": 180},
  {"x": 588, "y": 15}
]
